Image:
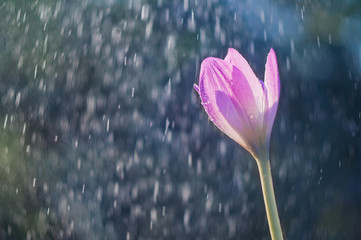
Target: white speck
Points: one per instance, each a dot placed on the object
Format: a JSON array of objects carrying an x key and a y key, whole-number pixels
[
  {"x": 145, "y": 13},
  {"x": 329, "y": 39},
  {"x": 20, "y": 62},
  {"x": 186, "y": 218},
  {"x": 44, "y": 65},
  {"x": 125, "y": 61},
  {"x": 108, "y": 125},
  {"x": 27, "y": 148},
  {"x": 153, "y": 215},
  {"x": 5, "y": 121},
  {"x": 128, "y": 236},
  {"x": 251, "y": 116},
  {"x": 301, "y": 13},
  {"x": 235, "y": 16},
  {"x": 116, "y": 189},
  {"x": 163, "y": 211},
  {"x": 319, "y": 181},
  {"x": 318, "y": 41},
  {"x": 189, "y": 159},
  {"x": 219, "y": 207},
  {"x": 56, "y": 138},
  {"x": 262, "y": 16},
  {"x": 18, "y": 16},
  {"x": 185, "y": 5},
  {"x": 35, "y": 71},
  {"x": 265, "y": 35},
  {"x": 166, "y": 126},
  {"x": 83, "y": 189},
  {"x": 78, "y": 163},
  {"x": 186, "y": 192},
  {"x": 47, "y": 211},
  {"x": 24, "y": 128},
  {"x": 17, "y": 99},
  {"x": 34, "y": 182},
  {"x": 288, "y": 64},
  {"x": 292, "y": 46},
  {"x": 156, "y": 190},
  {"x": 45, "y": 43},
  {"x": 132, "y": 92},
  {"x": 148, "y": 29}
]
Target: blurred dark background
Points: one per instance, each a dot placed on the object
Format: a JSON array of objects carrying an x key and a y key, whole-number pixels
[{"x": 103, "y": 137}]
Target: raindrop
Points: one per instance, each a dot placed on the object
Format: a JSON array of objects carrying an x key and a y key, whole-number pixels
[
  {"x": 163, "y": 211},
  {"x": 17, "y": 99},
  {"x": 318, "y": 41},
  {"x": 292, "y": 46},
  {"x": 108, "y": 125},
  {"x": 262, "y": 16},
  {"x": 5, "y": 121},
  {"x": 288, "y": 64},
  {"x": 189, "y": 159},
  {"x": 186, "y": 5},
  {"x": 35, "y": 71},
  {"x": 156, "y": 190}
]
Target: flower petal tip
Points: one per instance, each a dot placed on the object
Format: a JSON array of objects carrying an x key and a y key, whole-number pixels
[
  {"x": 271, "y": 53},
  {"x": 196, "y": 87},
  {"x": 232, "y": 50}
]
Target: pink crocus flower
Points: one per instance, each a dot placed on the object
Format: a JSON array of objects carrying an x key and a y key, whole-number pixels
[{"x": 238, "y": 103}]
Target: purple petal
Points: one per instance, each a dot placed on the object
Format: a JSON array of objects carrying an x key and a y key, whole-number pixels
[
  {"x": 251, "y": 87},
  {"x": 236, "y": 59},
  {"x": 272, "y": 85},
  {"x": 216, "y": 95}
]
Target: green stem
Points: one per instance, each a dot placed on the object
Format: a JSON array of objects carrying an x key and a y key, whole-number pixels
[{"x": 269, "y": 198}]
